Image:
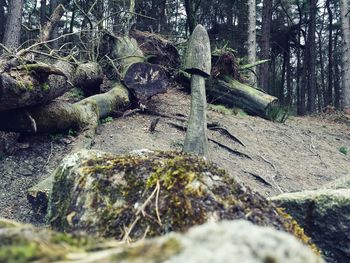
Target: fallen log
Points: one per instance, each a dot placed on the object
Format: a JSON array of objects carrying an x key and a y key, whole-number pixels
[
  {"x": 38, "y": 83},
  {"x": 233, "y": 93},
  {"x": 143, "y": 79},
  {"x": 59, "y": 116}
]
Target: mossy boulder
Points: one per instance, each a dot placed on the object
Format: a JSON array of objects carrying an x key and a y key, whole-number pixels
[
  {"x": 150, "y": 194},
  {"x": 25, "y": 243},
  {"x": 325, "y": 216},
  {"x": 233, "y": 241}
]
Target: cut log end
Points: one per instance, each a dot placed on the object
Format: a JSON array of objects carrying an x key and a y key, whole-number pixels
[{"x": 145, "y": 80}]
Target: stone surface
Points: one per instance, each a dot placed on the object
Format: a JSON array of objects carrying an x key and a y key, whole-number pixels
[
  {"x": 224, "y": 242},
  {"x": 325, "y": 216},
  {"x": 340, "y": 183},
  {"x": 150, "y": 194}
]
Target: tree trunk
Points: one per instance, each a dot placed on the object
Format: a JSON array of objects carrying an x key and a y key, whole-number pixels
[
  {"x": 312, "y": 58},
  {"x": 43, "y": 12},
  {"x": 265, "y": 44},
  {"x": 241, "y": 32},
  {"x": 344, "y": 8},
  {"x": 252, "y": 38},
  {"x": 48, "y": 31},
  {"x": 337, "y": 75},
  {"x": 13, "y": 24},
  {"x": 191, "y": 15},
  {"x": 38, "y": 83},
  {"x": 53, "y": 5},
  {"x": 59, "y": 116},
  {"x": 329, "y": 93},
  {"x": 2, "y": 20}
]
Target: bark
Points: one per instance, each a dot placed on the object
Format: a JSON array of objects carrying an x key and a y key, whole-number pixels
[
  {"x": 312, "y": 58},
  {"x": 265, "y": 44},
  {"x": 50, "y": 27},
  {"x": 13, "y": 24},
  {"x": 54, "y": 34},
  {"x": 252, "y": 38},
  {"x": 43, "y": 11},
  {"x": 2, "y": 20},
  {"x": 329, "y": 93},
  {"x": 337, "y": 76},
  {"x": 191, "y": 15},
  {"x": 344, "y": 8},
  {"x": 143, "y": 79},
  {"x": 59, "y": 116},
  {"x": 235, "y": 94},
  {"x": 33, "y": 84}
]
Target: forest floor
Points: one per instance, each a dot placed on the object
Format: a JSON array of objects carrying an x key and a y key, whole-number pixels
[{"x": 301, "y": 154}]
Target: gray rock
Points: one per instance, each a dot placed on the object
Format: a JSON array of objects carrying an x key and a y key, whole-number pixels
[
  {"x": 224, "y": 242},
  {"x": 240, "y": 241},
  {"x": 340, "y": 183},
  {"x": 325, "y": 216}
]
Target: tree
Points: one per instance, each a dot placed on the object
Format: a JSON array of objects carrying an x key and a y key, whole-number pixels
[
  {"x": 344, "y": 8},
  {"x": 2, "y": 19},
  {"x": 252, "y": 37},
  {"x": 265, "y": 43},
  {"x": 329, "y": 92},
  {"x": 312, "y": 59},
  {"x": 13, "y": 24}
]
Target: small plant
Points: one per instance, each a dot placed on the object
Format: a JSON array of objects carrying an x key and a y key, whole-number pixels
[
  {"x": 220, "y": 109},
  {"x": 72, "y": 132},
  {"x": 106, "y": 120},
  {"x": 344, "y": 150}
]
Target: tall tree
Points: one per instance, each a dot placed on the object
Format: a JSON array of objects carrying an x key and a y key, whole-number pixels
[
  {"x": 311, "y": 61},
  {"x": 13, "y": 24},
  {"x": 329, "y": 93},
  {"x": 344, "y": 9},
  {"x": 265, "y": 43},
  {"x": 43, "y": 12},
  {"x": 191, "y": 8},
  {"x": 252, "y": 37}
]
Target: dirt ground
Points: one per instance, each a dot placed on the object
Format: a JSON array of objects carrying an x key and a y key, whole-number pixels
[{"x": 301, "y": 154}]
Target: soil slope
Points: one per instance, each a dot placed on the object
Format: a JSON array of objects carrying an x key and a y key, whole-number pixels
[{"x": 301, "y": 154}]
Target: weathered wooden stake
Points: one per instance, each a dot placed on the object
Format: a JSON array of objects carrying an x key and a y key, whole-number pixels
[{"x": 198, "y": 64}]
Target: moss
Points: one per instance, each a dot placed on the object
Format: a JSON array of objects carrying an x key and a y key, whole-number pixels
[
  {"x": 45, "y": 87},
  {"x": 220, "y": 109},
  {"x": 5, "y": 223},
  {"x": 293, "y": 227},
  {"x": 152, "y": 194},
  {"x": 157, "y": 251},
  {"x": 20, "y": 253}
]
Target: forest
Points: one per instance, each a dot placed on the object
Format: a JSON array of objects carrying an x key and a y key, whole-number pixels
[
  {"x": 174, "y": 131},
  {"x": 304, "y": 41}
]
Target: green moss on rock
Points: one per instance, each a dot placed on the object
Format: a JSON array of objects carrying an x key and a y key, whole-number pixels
[{"x": 150, "y": 194}]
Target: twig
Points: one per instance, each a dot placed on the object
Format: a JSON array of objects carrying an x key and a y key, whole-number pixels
[
  {"x": 48, "y": 158},
  {"x": 141, "y": 209},
  {"x": 311, "y": 147},
  {"x": 157, "y": 201},
  {"x": 276, "y": 171},
  {"x": 5, "y": 48}
]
